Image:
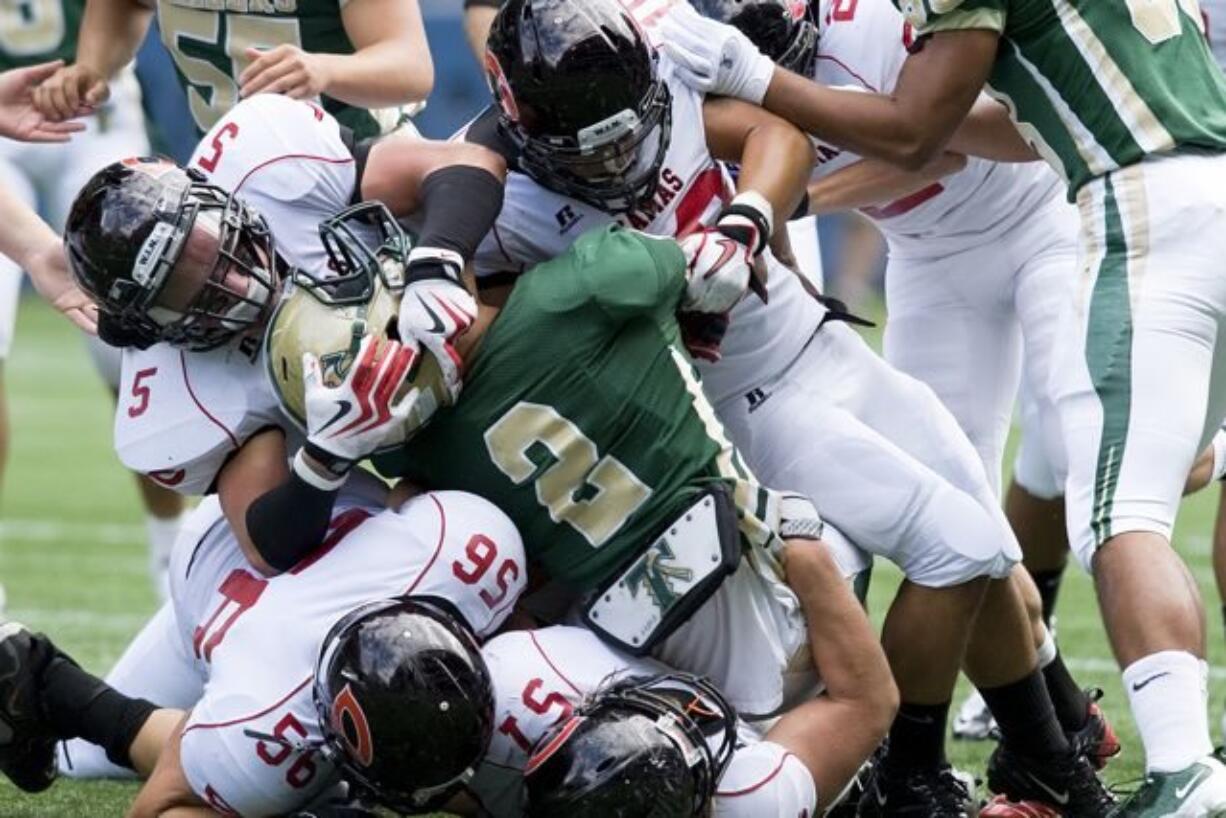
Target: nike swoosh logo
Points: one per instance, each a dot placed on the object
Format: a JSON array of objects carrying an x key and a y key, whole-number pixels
[
  {"x": 1181, "y": 792},
  {"x": 730, "y": 248},
  {"x": 1136, "y": 686},
  {"x": 439, "y": 326},
  {"x": 1060, "y": 798},
  {"x": 344, "y": 407}
]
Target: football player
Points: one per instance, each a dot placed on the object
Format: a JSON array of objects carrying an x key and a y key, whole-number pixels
[
  {"x": 1125, "y": 101},
  {"x": 187, "y": 267},
  {"x": 556, "y": 680},
  {"x": 363, "y": 60},
  {"x": 361, "y": 663},
  {"x": 980, "y": 262},
  {"x": 640, "y": 509},
  {"x": 597, "y": 132}
]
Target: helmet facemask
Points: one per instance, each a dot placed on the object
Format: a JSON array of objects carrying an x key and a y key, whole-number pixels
[
  {"x": 229, "y": 251},
  {"x": 613, "y": 165},
  {"x": 687, "y": 712}
]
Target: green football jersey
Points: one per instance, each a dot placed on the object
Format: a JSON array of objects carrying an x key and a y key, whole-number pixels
[
  {"x": 208, "y": 38},
  {"x": 580, "y": 416},
  {"x": 34, "y": 31},
  {"x": 1096, "y": 84}
]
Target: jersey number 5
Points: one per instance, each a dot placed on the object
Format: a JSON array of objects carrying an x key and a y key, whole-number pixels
[{"x": 594, "y": 495}]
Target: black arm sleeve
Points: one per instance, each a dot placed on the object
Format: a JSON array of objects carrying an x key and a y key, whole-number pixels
[
  {"x": 459, "y": 205},
  {"x": 289, "y": 522}
]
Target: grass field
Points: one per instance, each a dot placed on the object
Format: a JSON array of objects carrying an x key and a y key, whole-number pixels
[{"x": 72, "y": 555}]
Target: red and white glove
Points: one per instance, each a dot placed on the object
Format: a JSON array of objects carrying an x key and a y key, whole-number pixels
[
  {"x": 717, "y": 271},
  {"x": 437, "y": 309},
  {"x": 347, "y": 422}
]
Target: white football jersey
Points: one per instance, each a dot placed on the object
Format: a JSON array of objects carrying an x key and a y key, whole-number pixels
[
  {"x": 537, "y": 224},
  {"x": 863, "y": 45},
  {"x": 256, "y": 640},
  {"x": 541, "y": 676},
  {"x": 182, "y": 414}
]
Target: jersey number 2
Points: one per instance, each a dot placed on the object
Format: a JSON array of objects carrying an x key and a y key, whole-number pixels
[
  {"x": 594, "y": 495},
  {"x": 1158, "y": 20}
]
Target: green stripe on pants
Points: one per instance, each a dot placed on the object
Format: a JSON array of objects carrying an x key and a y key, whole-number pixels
[{"x": 1109, "y": 358}]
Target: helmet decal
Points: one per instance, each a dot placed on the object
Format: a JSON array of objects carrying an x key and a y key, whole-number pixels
[
  {"x": 556, "y": 743},
  {"x": 356, "y": 730},
  {"x": 500, "y": 87}
]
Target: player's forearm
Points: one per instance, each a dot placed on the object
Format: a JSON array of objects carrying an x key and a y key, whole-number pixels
[
  {"x": 776, "y": 162},
  {"x": 111, "y": 32},
  {"x": 22, "y": 233},
  {"x": 988, "y": 132},
  {"x": 871, "y": 182},
  {"x": 379, "y": 76},
  {"x": 872, "y": 125},
  {"x": 477, "y": 22}
]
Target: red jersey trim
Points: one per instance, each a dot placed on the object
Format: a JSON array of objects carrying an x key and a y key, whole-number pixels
[
  {"x": 759, "y": 785},
  {"x": 331, "y": 160},
  {"x": 253, "y": 716},
  {"x": 438, "y": 549},
  {"x": 187, "y": 382},
  {"x": 848, "y": 69},
  {"x": 552, "y": 666}
]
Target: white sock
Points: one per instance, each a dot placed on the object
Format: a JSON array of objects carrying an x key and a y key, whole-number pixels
[
  {"x": 1169, "y": 693},
  {"x": 1047, "y": 651},
  {"x": 162, "y": 533}
]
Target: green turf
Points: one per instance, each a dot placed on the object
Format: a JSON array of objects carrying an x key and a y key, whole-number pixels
[{"x": 72, "y": 551}]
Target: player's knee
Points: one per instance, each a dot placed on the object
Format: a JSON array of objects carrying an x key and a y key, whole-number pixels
[{"x": 959, "y": 541}]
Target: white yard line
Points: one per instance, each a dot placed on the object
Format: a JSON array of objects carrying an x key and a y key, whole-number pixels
[{"x": 35, "y": 530}]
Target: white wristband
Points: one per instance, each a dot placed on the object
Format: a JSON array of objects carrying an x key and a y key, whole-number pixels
[
  {"x": 312, "y": 477},
  {"x": 754, "y": 199}
]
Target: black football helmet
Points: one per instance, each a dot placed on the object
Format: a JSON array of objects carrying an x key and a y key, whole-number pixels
[
  {"x": 127, "y": 229},
  {"x": 641, "y": 748},
  {"x": 581, "y": 98},
  {"x": 784, "y": 30},
  {"x": 405, "y": 701}
]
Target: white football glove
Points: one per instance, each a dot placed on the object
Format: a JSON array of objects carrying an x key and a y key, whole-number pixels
[
  {"x": 717, "y": 271},
  {"x": 714, "y": 57},
  {"x": 437, "y": 310},
  {"x": 348, "y": 422}
]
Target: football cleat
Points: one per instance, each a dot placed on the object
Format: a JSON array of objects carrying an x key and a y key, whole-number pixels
[
  {"x": 1195, "y": 792},
  {"x": 1097, "y": 740},
  {"x": 1069, "y": 785},
  {"x": 27, "y": 748},
  {"x": 974, "y": 721},
  {"x": 922, "y": 793}
]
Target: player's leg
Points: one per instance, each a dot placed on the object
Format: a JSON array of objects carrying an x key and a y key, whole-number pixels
[
  {"x": 154, "y": 667},
  {"x": 948, "y": 540},
  {"x": 939, "y": 536},
  {"x": 45, "y": 696},
  {"x": 1134, "y": 399}
]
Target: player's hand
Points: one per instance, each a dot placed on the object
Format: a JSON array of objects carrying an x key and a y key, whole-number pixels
[
  {"x": 20, "y": 119},
  {"x": 702, "y": 333},
  {"x": 71, "y": 91},
  {"x": 713, "y": 57},
  {"x": 437, "y": 309},
  {"x": 285, "y": 69},
  {"x": 345, "y": 423},
  {"x": 48, "y": 269},
  {"x": 717, "y": 271}
]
